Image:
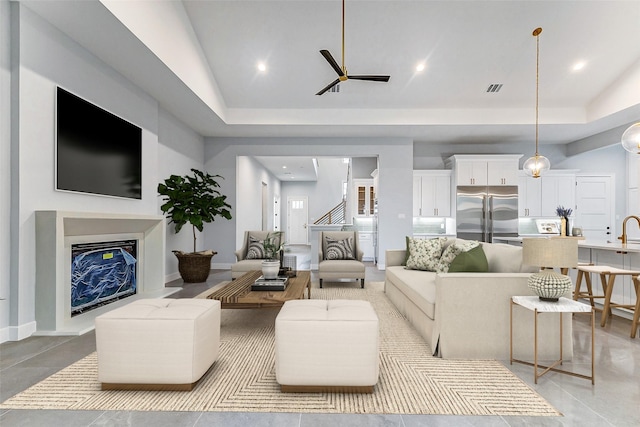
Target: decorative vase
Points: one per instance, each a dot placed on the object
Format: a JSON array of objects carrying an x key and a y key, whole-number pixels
[
  {"x": 270, "y": 269},
  {"x": 563, "y": 226},
  {"x": 549, "y": 285}
]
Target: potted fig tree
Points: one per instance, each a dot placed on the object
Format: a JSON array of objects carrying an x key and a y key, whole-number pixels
[{"x": 193, "y": 200}]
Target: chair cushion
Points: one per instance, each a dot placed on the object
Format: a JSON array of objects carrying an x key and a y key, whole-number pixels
[
  {"x": 339, "y": 249},
  {"x": 341, "y": 266}
]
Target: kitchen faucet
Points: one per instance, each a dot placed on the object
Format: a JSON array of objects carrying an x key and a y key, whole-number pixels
[{"x": 624, "y": 227}]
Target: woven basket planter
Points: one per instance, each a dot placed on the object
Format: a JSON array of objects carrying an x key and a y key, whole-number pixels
[{"x": 194, "y": 267}]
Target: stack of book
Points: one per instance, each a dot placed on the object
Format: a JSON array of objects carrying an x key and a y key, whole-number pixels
[{"x": 262, "y": 284}]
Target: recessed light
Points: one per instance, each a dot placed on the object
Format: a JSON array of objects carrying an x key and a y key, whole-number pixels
[
  {"x": 284, "y": 167},
  {"x": 420, "y": 67},
  {"x": 579, "y": 66},
  {"x": 262, "y": 66}
]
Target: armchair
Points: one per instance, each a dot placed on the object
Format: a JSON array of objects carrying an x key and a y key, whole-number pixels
[
  {"x": 339, "y": 256},
  {"x": 245, "y": 261}
]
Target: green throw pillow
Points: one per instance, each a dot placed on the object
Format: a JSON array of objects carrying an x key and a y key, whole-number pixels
[{"x": 473, "y": 260}]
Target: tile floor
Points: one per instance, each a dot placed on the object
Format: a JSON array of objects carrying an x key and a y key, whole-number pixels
[{"x": 613, "y": 401}]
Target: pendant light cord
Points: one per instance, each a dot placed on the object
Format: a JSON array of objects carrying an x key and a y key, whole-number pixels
[{"x": 536, "y": 33}]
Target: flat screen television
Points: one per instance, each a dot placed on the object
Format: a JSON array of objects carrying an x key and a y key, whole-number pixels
[{"x": 96, "y": 151}]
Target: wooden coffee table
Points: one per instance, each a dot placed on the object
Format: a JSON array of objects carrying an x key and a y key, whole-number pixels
[{"x": 238, "y": 293}]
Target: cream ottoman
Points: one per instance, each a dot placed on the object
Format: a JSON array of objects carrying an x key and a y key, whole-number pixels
[
  {"x": 157, "y": 344},
  {"x": 327, "y": 346}
]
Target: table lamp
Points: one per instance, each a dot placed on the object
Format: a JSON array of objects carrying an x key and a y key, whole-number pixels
[{"x": 547, "y": 254}]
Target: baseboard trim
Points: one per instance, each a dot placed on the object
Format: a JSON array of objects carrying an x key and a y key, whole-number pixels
[{"x": 17, "y": 333}]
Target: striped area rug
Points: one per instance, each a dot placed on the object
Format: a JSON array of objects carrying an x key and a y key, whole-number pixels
[{"x": 243, "y": 379}]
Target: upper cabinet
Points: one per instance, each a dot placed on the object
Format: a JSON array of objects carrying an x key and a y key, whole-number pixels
[
  {"x": 539, "y": 197},
  {"x": 432, "y": 193},
  {"x": 364, "y": 197},
  {"x": 485, "y": 170},
  {"x": 529, "y": 196}
]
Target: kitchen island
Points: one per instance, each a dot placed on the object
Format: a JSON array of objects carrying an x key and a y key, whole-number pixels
[{"x": 602, "y": 252}]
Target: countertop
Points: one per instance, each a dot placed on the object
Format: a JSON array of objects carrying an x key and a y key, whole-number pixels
[{"x": 588, "y": 243}]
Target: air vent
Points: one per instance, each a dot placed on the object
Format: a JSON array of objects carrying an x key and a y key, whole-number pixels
[
  {"x": 494, "y": 88},
  {"x": 335, "y": 88}
]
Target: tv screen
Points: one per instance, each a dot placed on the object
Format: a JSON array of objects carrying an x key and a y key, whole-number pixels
[{"x": 97, "y": 152}]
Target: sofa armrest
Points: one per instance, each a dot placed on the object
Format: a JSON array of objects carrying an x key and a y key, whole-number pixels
[
  {"x": 395, "y": 257},
  {"x": 239, "y": 255},
  {"x": 472, "y": 316}
]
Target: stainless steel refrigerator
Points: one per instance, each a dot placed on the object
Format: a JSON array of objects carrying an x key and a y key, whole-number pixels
[{"x": 483, "y": 213}]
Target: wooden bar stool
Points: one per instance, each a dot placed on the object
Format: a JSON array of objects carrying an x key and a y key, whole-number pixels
[
  {"x": 608, "y": 305},
  {"x": 585, "y": 270},
  {"x": 636, "y": 315}
]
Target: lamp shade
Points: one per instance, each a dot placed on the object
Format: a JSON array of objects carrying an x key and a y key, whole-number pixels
[{"x": 554, "y": 252}]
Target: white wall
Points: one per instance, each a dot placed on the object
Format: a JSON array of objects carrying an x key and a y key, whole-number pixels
[
  {"x": 395, "y": 173},
  {"x": 5, "y": 165},
  {"x": 48, "y": 58},
  {"x": 179, "y": 150},
  {"x": 247, "y": 210}
]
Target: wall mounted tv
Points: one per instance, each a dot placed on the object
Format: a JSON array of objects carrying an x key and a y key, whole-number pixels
[{"x": 96, "y": 151}]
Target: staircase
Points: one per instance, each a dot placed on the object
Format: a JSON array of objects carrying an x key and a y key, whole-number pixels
[{"x": 335, "y": 216}]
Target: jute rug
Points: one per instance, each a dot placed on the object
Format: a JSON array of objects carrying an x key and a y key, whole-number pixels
[{"x": 243, "y": 379}]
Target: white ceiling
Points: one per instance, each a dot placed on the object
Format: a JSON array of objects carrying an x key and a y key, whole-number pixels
[{"x": 199, "y": 58}]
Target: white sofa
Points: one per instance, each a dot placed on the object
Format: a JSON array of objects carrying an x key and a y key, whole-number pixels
[{"x": 466, "y": 315}]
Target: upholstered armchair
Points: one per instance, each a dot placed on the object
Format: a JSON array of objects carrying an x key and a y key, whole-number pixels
[
  {"x": 250, "y": 259},
  {"x": 339, "y": 256}
]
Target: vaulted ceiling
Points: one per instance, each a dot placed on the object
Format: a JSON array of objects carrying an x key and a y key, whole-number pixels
[{"x": 200, "y": 60}]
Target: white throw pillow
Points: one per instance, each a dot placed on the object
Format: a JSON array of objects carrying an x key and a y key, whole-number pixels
[{"x": 424, "y": 253}]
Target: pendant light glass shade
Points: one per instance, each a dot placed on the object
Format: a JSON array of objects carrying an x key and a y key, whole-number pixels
[
  {"x": 631, "y": 139},
  {"x": 534, "y": 166}
]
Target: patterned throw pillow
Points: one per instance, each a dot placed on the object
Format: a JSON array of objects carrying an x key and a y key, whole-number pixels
[
  {"x": 339, "y": 249},
  {"x": 452, "y": 251},
  {"x": 256, "y": 248},
  {"x": 424, "y": 253}
]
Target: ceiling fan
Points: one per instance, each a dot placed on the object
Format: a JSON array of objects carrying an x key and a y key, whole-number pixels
[{"x": 342, "y": 71}]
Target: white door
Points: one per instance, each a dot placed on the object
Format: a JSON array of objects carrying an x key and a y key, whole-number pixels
[
  {"x": 595, "y": 207},
  {"x": 297, "y": 217}
]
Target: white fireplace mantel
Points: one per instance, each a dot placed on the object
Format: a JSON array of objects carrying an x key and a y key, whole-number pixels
[{"x": 57, "y": 230}]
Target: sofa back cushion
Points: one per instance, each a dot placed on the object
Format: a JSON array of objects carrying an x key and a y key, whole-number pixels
[{"x": 503, "y": 258}]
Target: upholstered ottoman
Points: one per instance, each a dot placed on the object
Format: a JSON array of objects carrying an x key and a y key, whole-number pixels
[
  {"x": 157, "y": 344},
  {"x": 327, "y": 346}
]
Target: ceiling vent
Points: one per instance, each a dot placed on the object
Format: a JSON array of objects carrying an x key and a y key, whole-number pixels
[
  {"x": 494, "y": 88},
  {"x": 335, "y": 88}
]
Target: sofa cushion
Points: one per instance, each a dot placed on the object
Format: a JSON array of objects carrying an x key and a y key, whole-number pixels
[
  {"x": 504, "y": 258},
  {"x": 473, "y": 260},
  {"x": 339, "y": 249},
  {"x": 452, "y": 251},
  {"x": 418, "y": 286},
  {"x": 256, "y": 248},
  {"x": 424, "y": 253}
]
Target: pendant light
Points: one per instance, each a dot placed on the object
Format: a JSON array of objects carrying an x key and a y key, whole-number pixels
[
  {"x": 537, "y": 164},
  {"x": 631, "y": 139}
]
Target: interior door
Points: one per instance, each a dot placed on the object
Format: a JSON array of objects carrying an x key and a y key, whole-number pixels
[
  {"x": 594, "y": 207},
  {"x": 297, "y": 219}
]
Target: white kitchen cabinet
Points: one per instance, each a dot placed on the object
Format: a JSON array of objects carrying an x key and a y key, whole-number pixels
[
  {"x": 432, "y": 193},
  {"x": 502, "y": 172},
  {"x": 485, "y": 169},
  {"x": 471, "y": 172},
  {"x": 557, "y": 190},
  {"x": 365, "y": 242},
  {"x": 529, "y": 196},
  {"x": 363, "y": 197}
]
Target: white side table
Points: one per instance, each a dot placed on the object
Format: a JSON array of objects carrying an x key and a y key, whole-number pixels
[{"x": 563, "y": 305}]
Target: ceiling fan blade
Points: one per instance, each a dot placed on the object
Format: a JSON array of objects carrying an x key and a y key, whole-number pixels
[
  {"x": 329, "y": 86},
  {"x": 371, "y": 78},
  {"x": 332, "y": 62}
]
